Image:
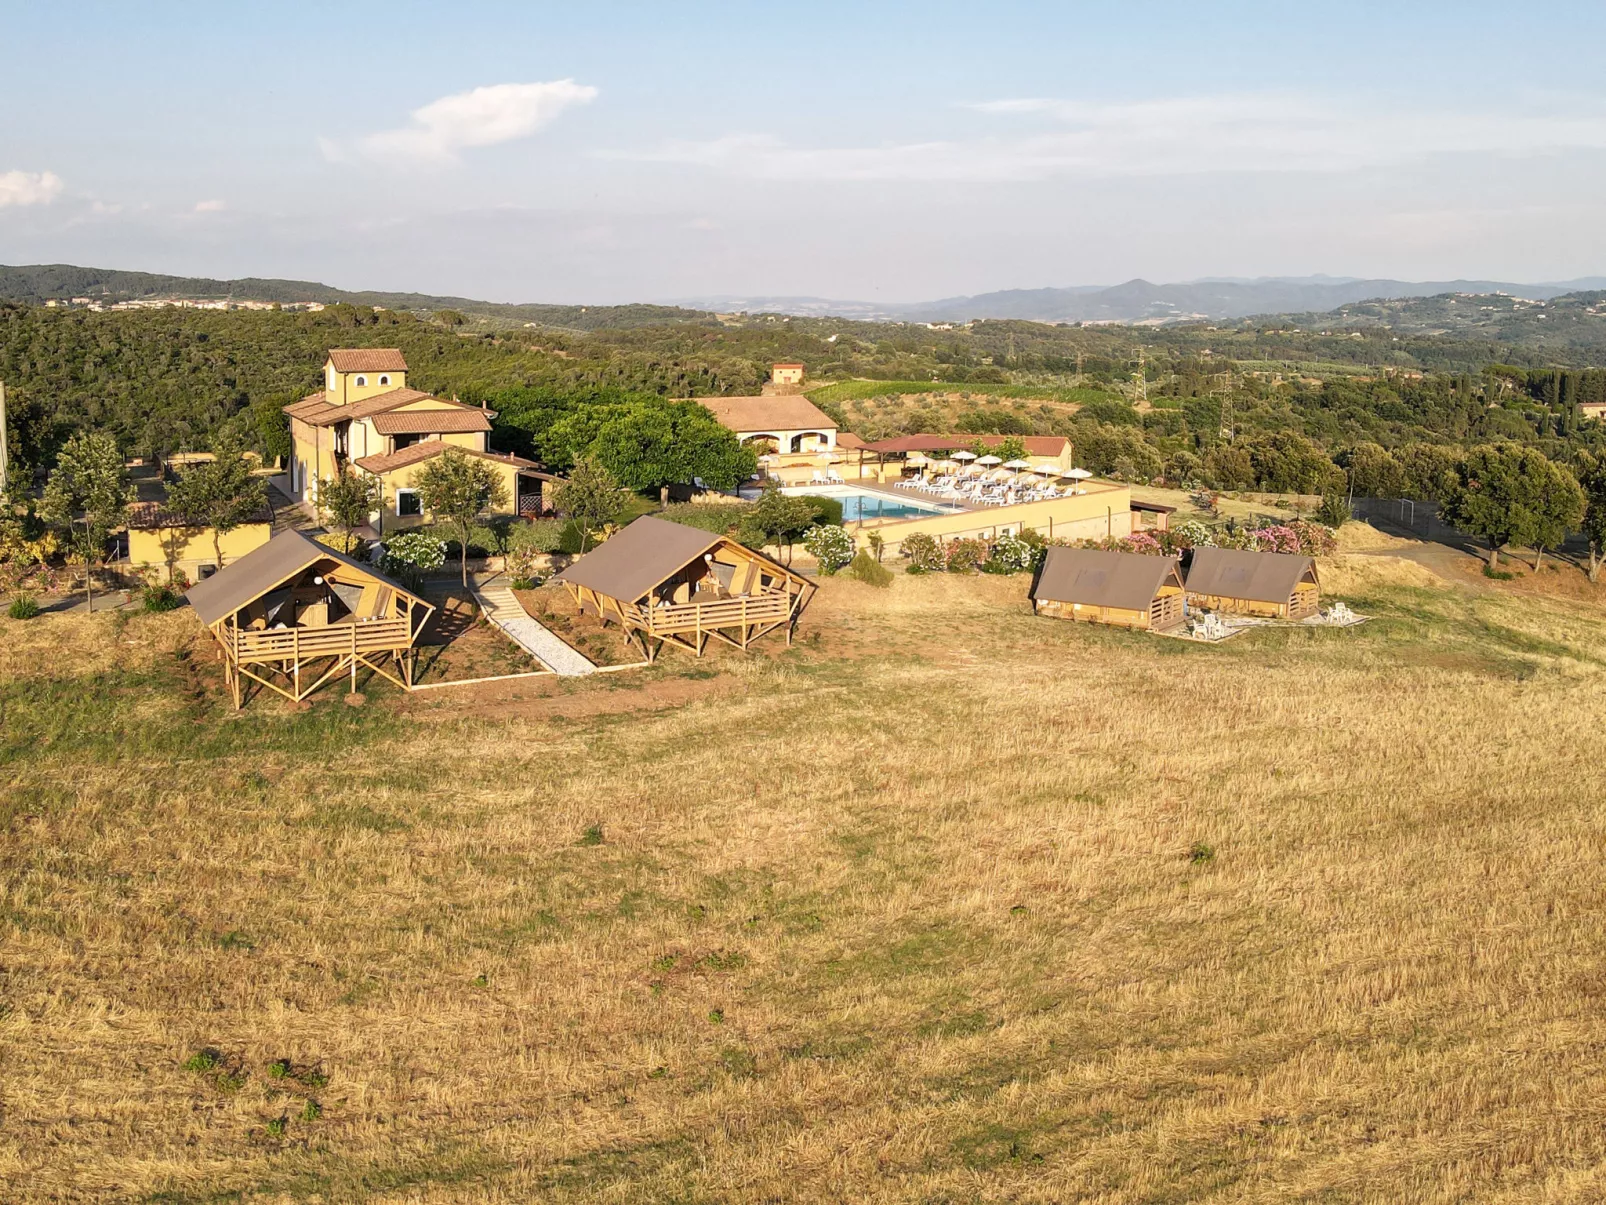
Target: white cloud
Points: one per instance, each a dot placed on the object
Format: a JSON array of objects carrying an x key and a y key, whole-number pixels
[
  {"x": 213, "y": 206},
  {"x": 29, "y": 188},
  {"x": 480, "y": 117},
  {"x": 1173, "y": 136}
]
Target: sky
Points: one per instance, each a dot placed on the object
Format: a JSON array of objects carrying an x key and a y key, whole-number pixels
[{"x": 611, "y": 152}]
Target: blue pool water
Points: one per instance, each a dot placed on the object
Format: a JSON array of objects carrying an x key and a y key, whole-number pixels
[{"x": 873, "y": 506}]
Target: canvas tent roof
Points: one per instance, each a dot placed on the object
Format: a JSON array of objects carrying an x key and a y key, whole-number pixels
[
  {"x": 1268, "y": 577},
  {"x": 647, "y": 552},
  {"x": 266, "y": 567},
  {"x": 1093, "y": 577}
]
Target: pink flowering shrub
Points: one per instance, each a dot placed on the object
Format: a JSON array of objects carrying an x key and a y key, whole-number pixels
[{"x": 1276, "y": 538}]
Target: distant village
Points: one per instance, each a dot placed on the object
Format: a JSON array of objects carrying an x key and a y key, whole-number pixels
[{"x": 100, "y": 306}]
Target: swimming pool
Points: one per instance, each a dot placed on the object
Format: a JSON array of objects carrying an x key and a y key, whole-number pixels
[{"x": 858, "y": 505}]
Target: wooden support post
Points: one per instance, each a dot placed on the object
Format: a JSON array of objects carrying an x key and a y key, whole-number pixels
[{"x": 353, "y": 658}]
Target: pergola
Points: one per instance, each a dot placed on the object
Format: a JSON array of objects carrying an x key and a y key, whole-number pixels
[
  {"x": 295, "y": 610},
  {"x": 665, "y": 583}
]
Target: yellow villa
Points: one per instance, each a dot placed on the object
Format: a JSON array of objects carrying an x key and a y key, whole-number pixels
[
  {"x": 367, "y": 417},
  {"x": 796, "y": 440}
]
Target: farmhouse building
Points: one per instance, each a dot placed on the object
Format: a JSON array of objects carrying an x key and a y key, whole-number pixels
[
  {"x": 366, "y": 416},
  {"x": 1126, "y": 589},
  {"x": 786, "y": 374},
  {"x": 1274, "y": 584}
]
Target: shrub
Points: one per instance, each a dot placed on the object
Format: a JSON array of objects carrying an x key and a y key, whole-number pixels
[
  {"x": 1276, "y": 538},
  {"x": 830, "y": 546},
  {"x": 1334, "y": 510},
  {"x": 923, "y": 553},
  {"x": 1192, "y": 534},
  {"x": 525, "y": 583},
  {"x": 963, "y": 556},
  {"x": 865, "y": 568},
  {"x": 23, "y": 606},
  {"x": 354, "y": 547},
  {"x": 528, "y": 542},
  {"x": 161, "y": 598},
  {"x": 1010, "y": 554},
  {"x": 412, "y": 554},
  {"x": 1314, "y": 538},
  {"x": 1145, "y": 543},
  {"x": 827, "y": 510},
  {"x": 716, "y": 517}
]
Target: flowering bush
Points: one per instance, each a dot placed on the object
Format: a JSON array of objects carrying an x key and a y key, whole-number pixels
[
  {"x": 1276, "y": 538},
  {"x": 1192, "y": 534},
  {"x": 412, "y": 554},
  {"x": 923, "y": 552},
  {"x": 831, "y": 546},
  {"x": 962, "y": 556},
  {"x": 1144, "y": 543},
  {"x": 1315, "y": 539},
  {"x": 1010, "y": 554}
]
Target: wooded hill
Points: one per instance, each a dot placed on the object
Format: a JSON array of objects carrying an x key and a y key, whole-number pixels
[
  {"x": 35, "y": 284},
  {"x": 169, "y": 379}
]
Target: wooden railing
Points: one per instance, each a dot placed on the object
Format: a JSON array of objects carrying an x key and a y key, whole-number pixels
[
  {"x": 724, "y": 613},
  {"x": 332, "y": 640}
]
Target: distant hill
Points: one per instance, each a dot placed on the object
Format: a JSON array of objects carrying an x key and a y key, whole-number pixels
[
  {"x": 1143, "y": 301},
  {"x": 37, "y": 283},
  {"x": 1571, "y": 327}
]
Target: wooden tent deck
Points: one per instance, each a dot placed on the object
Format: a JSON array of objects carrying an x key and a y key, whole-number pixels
[
  {"x": 735, "y": 621},
  {"x": 324, "y": 653}
]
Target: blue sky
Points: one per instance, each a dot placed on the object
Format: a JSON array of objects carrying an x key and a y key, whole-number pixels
[{"x": 613, "y": 152}]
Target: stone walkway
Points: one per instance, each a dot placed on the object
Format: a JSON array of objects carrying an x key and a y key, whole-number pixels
[{"x": 502, "y": 608}]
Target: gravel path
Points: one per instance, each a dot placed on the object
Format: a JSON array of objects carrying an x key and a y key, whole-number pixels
[{"x": 502, "y": 608}]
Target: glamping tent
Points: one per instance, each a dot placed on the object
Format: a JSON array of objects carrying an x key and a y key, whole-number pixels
[
  {"x": 1123, "y": 588},
  {"x": 665, "y": 583},
  {"x": 1275, "y": 584},
  {"x": 294, "y": 604}
]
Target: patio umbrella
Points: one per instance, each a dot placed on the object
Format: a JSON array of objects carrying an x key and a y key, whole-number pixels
[
  {"x": 989, "y": 460},
  {"x": 1078, "y": 474},
  {"x": 947, "y": 465},
  {"x": 915, "y": 458},
  {"x": 964, "y": 456},
  {"x": 1017, "y": 464}
]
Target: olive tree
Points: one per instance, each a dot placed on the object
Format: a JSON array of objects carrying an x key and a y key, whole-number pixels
[{"x": 456, "y": 489}]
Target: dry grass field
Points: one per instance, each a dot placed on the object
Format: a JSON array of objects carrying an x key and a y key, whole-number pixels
[{"x": 945, "y": 904}]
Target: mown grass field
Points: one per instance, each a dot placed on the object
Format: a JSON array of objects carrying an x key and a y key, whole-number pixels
[{"x": 946, "y": 904}]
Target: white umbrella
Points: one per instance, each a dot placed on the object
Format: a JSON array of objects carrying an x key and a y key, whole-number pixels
[
  {"x": 915, "y": 458},
  {"x": 989, "y": 460},
  {"x": 1028, "y": 479},
  {"x": 1078, "y": 474},
  {"x": 1017, "y": 464},
  {"x": 1049, "y": 471},
  {"x": 967, "y": 456},
  {"x": 947, "y": 464}
]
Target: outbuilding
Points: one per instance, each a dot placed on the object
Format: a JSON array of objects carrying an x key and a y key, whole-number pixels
[
  {"x": 1277, "y": 585},
  {"x": 666, "y": 583},
  {"x": 1126, "y": 589}
]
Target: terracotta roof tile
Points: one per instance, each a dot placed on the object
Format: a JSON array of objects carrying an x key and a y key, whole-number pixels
[
  {"x": 429, "y": 448},
  {"x": 367, "y": 359},
  {"x": 432, "y": 422},
  {"x": 757, "y": 414}
]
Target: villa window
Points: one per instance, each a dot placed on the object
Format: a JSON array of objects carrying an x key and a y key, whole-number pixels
[
  {"x": 408, "y": 503},
  {"x": 362, "y": 382},
  {"x": 385, "y": 380}
]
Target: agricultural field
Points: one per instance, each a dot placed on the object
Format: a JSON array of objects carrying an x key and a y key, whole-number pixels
[{"x": 946, "y": 903}]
